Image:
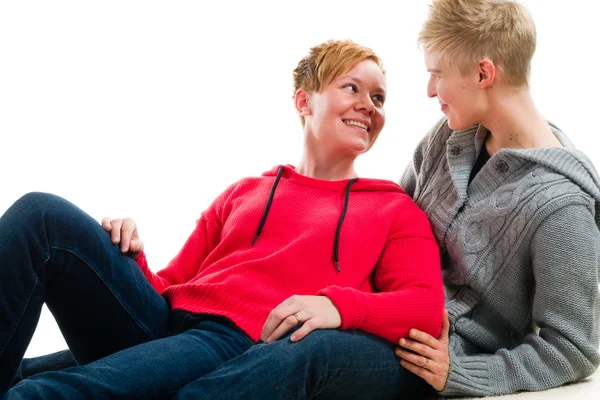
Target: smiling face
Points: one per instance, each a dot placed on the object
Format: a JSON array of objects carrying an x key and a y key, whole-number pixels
[
  {"x": 347, "y": 114},
  {"x": 461, "y": 98}
]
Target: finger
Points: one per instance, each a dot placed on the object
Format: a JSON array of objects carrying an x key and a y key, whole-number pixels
[
  {"x": 268, "y": 327},
  {"x": 127, "y": 230},
  {"x": 270, "y": 324},
  {"x": 307, "y": 327},
  {"x": 445, "y": 327},
  {"x": 115, "y": 232},
  {"x": 276, "y": 317},
  {"x": 417, "y": 347},
  {"x": 105, "y": 224},
  {"x": 424, "y": 338},
  {"x": 287, "y": 324},
  {"x": 434, "y": 379},
  {"x": 424, "y": 373},
  {"x": 416, "y": 352},
  {"x": 413, "y": 358},
  {"x": 283, "y": 310}
]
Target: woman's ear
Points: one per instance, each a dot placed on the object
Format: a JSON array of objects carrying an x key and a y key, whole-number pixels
[
  {"x": 487, "y": 73},
  {"x": 302, "y": 102}
]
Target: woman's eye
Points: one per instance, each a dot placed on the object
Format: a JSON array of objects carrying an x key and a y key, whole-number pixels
[
  {"x": 352, "y": 87},
  {"x": 379, "y": 99}
]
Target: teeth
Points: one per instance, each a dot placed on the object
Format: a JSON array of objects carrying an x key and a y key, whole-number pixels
[{"x": 356, "y": 123}]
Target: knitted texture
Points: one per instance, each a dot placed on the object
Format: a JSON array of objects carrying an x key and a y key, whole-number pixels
[
  {"x": 520, "y": 250},
  {"x": 389, "y": 280}
]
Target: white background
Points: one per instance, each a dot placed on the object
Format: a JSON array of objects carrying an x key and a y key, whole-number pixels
[{"x": 149, "y": 109}]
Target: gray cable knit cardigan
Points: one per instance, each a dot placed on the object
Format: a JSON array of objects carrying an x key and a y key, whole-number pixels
[{"x": 520, "y": 250}]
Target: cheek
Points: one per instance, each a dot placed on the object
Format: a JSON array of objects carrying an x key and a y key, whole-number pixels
[
  {"x": 445, "y": 94},
  {"x": 379, "y": 120},
  {"x": 381, "y": 114}
]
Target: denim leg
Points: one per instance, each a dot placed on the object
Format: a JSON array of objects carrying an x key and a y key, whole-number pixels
[
  {"x": 152, "y": 370},
  {"x": 49, "y": 362},
  {"x": 326, "y": 364},
  {"x": 51, "y": 251}
]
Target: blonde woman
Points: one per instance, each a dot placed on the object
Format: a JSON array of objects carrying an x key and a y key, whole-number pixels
[{"x": 515, "y": 210}]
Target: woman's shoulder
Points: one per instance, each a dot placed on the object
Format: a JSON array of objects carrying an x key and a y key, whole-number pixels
[
  {"x": 560, "y": 171},
  {"x": 540, "y": 189},
  {"x": 405, "y": 216}
]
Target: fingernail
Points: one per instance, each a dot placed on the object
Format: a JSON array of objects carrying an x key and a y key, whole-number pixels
[
  {"x": 269, "y": 340},
  {"x": 402, "y": 342},
  {"x": 293, "y": 338}
]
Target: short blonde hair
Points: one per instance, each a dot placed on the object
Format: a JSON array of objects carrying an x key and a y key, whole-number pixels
[
  {"x": 327, "y": 61},
  {"x": 467, "y": 31}
]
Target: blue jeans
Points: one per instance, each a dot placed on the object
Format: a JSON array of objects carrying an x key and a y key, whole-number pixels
[
  {"x": 126, "y": 341},
  {"x": 326, "y": 364}
]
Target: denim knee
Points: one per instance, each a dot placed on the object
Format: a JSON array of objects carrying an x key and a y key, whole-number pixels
[{"x": 32, "y": 204}]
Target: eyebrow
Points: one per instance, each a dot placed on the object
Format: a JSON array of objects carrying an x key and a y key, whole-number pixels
[
  {"x": 360, "y": 82},
  {"x": 433, "y": 70}
]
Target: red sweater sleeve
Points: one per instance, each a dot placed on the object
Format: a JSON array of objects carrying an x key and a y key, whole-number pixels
[
  {"x": 410, "y": 291},
  {"x": 157, "y": 282},
  {"x": 186, "y": 264}
]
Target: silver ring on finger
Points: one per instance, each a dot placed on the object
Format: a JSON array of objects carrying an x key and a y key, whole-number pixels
[{"x": 424, "y": 366}]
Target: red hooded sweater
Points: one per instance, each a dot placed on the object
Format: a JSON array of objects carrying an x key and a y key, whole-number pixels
[{"x": 389, "y": 277}]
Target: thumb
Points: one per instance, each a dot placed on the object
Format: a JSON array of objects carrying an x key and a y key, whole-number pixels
[
  {"x": 136, "y": 246},
  {"x": 445, "y": 327}
]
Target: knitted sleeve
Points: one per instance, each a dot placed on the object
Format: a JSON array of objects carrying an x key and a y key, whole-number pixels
[
  {"x": 188, "y": 262},
  {"x": 409, "y": 283},
  {"x": 565, "y": 254}
]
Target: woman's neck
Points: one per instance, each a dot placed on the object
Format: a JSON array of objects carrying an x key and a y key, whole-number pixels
[
  {"x": 326, "y": 167},
  {"x": 516, "y": 123}
]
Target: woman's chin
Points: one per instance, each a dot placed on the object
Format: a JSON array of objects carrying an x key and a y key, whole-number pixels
[
  {"x": 358, "y": 147},
  {"x": 458, "y": 125}
]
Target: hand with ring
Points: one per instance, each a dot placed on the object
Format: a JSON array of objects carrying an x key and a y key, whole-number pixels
[
  {"x": 310, "y": 312},
  {"x": 428, "y": 357}
]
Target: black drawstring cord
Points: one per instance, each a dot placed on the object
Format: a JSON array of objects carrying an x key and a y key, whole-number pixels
[
  {"x": 268, "y": 206},
  {"x": 336, "y": 248}
]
